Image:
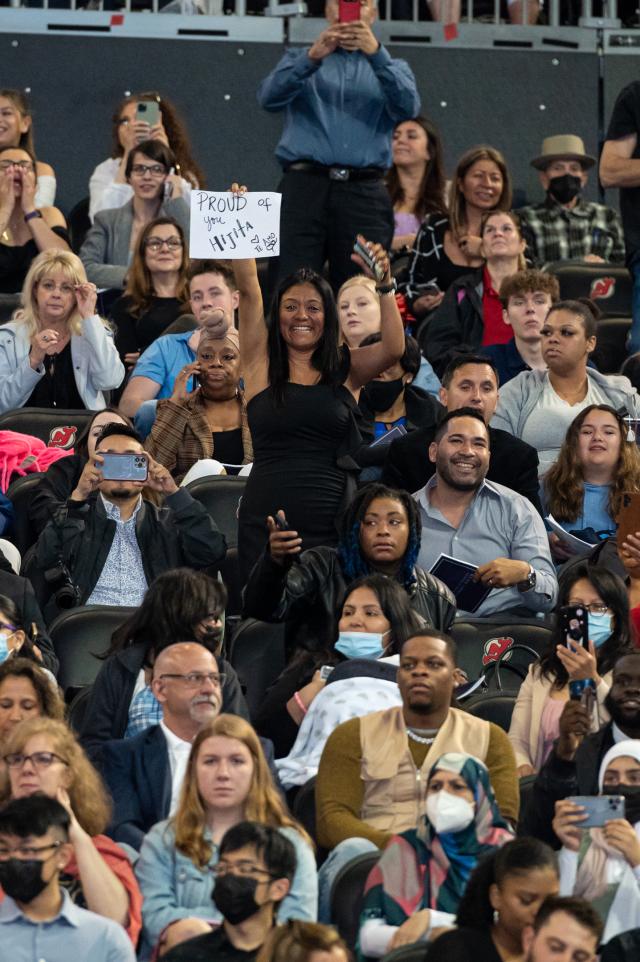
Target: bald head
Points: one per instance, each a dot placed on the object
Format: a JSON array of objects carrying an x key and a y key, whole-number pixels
[{"x": 186, "y": 682}]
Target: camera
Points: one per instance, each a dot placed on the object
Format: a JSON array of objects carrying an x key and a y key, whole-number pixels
[{"x": 66, "y": 594}]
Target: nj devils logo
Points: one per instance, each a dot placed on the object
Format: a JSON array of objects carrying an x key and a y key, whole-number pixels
[
  {"x": 63, "y": 437},
  {"x": 602, "y": 288},
  {"x": 494, "y": 648}
]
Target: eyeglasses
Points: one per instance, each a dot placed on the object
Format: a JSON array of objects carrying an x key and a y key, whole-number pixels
[
  {"x": 22, "y": 164},
  {"x": 39, "y": 760},
  {"x": 156, "y": 244},
  {"x": 594, "y": 609},
  {"x": 156, "y": 170},
  {"x": 25, "y": 852},
  {"x": 243, "y": 869},
  {"x": 196, "y": 678}
]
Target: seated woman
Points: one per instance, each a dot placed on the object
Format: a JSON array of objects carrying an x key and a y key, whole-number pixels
[
  {"x": 25, "y": 229},
  {"x": 156, "y": 292},
  {"x": 602, "y": 865},
  {"x": 448, "y": 247},
  {"x": 502, "y": 898},
  {"x": 26, "y": 691},
  {"x": 61, "y": 478},
  {"x": 471, "y": 315},
  {"x": 108, "y": 186},
  {"x": 57, "y": 352},
  {"x": 23, "y": 641},
  {"x": 373, "y": 617},
  {"x": 303, "y": 942},
  {"x": 415, "y": 180},
  {"x": 539, "y": 406},
  {"x": 108, "y": 248},
  {"x": 422, "y": 874},
  {"x": 192, "y": 429},
  {"x": 17, "y": 131},
  {"x": 226, "y": 782},
  {"x": 42, "y": 755},
  {"x": 544, "y": 692},
  {"x": 180, "y": 605},
  {"x": 596, "y": 465},
  {"x": 379, "y": 533}
]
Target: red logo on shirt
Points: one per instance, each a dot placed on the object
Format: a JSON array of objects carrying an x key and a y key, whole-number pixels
[
  {"x": 495, "y": 647},
  {"x": 63, "y": 437},
  {"x": 602, "y": 288}
]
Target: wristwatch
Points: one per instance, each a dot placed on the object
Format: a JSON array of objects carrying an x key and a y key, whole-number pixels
[
  {"x": 389, "y": 288},
  {"x": 529, "y": 582}
]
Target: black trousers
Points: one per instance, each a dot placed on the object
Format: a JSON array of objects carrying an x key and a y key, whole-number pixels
[{"x": 319, "y": 221}]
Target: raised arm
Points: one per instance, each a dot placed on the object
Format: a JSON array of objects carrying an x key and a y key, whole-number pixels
[{"x": 617, "y": 166}]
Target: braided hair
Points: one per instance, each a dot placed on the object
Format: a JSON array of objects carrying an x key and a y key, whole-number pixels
[{"x": 353, "y": 562}]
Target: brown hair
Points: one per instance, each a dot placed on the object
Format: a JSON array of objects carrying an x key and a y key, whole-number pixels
[
  {"x": 430, "y": 199},
  {"x": 139, "y": 287},
  {"x": 224, "y": 268},
  {"x": 176, "y": 133},
  {"x": 296, "y": 940},
  {"x": 529, "y": 282},
  {"x": 457, "y": 203},
  {"x": 515, "y": 220},
  {"x": 21, "y": 104},
  {"x": 263, "y": 803},
  {"x": 49, "y": 699},
  {"x": 89, "y": 798},
  {"x": 564, "y": 482}
]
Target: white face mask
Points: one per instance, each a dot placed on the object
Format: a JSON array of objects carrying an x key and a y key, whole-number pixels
[{"x": 449, "y": 813}]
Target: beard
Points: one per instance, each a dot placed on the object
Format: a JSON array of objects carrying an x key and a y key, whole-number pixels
[
  {"x": 472, "y": 484},
  {"x": 626, "y": 722}
]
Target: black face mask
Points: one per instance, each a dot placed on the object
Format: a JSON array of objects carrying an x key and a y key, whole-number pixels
[
  {"x": 380, "y": 395},
  {"x": 234, "y": 897},
  {"x": 631, "y": 795},
  {"x": 22, "y": 879},
  {"x": 565, "y": 188}
]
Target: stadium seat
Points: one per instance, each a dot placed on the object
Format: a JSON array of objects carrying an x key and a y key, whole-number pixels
[
  {"x": 220, "y": 495},
  {"x": 493, "y": 706},
  {"x": 20, "y": 493},
  {"x": 257, "y": 653},
  {"x": 304, "y": 806},
  {"x": 481, "y": 642},
  {"x": 416, "y": 952},
  {"x": 56, "y": 427},
  {"x": 608, "y": 285},
  {"x": 8, "y": 304},
  {"x": 80, "y": 636},
  {"x": 347, "y": 893},
  {"x": 611, "y": 351},
  {"x": 78, "y": 224},
  {"x": 78, "y": 708}
]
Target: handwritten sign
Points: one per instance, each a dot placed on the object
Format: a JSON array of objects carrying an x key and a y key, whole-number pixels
[{"x": 232, "y": 226}]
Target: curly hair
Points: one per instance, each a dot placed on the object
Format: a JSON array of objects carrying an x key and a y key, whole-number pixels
[
  {"x": 297, "y": 941},
  {"x": 564, "y": 481},
  {"x": 176, "y": 134},
  {"x": 529, "y": 282},
  {"x": 50, "y": 701},
  {"x": 22, "y": 105},
  {"x": 430, "y": 199},
  {"x": 139, "y": 287},
  {"x": 354, "y": 564},
  {"x": 89, "y": 798},
  {"x": 263, "y": 803},
  {"x": 457, "y": 203}
]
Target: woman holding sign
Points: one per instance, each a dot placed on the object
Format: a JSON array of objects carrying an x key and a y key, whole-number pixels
[{"x": 299, "y": 388}]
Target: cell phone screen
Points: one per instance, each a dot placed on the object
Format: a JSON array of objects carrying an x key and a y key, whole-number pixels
[
  {"x": 124, "y": 467},
  {"x": 574, "y": 623},
  {"x": 348, "y": 11}
]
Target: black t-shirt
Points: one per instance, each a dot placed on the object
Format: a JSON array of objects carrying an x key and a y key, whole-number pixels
[
  {"x": 57, "y": 388},
  {"x": 137, "y": 333},
  {"x": 212, "y": 947},
  {"x": 462, "y": 945},
  {"x": 625, "y": 120},
  {"x": 227, "y": 448}
]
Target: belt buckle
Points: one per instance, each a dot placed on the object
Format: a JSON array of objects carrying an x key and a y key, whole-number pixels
[{"x": 338, "y": 173}]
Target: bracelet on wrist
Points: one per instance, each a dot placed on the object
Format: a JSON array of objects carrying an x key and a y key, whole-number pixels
[
  {"x": 32, "y": 216},
  {"x": 299, "y": 702}
]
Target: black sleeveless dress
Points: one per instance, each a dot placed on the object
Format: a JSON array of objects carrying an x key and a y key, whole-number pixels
[{"x": 302, "y": 464}]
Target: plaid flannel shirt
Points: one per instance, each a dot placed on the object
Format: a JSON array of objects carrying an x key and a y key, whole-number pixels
[{"x": 556, "y": 233}]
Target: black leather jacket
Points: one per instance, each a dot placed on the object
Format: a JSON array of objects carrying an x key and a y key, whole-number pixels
[{"x": 306, "y": 594}]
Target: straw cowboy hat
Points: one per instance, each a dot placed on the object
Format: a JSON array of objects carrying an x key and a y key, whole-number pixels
[{"x": 563, "y": 147}]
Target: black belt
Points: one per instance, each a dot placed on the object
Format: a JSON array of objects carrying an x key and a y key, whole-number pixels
[{"x": 337, "y": 173}]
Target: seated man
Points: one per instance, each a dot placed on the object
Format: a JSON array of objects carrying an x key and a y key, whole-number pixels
[
  {"x": 373, "y": 769},
  {"x": 38, "y": 920},
  {"x": 110, "y": 543},
  {"x": 483, "y": 523},
  {"x": 211, "y": 288},
  {"x": 565, "y": 226},
  {"x": 469, "y": 380},
  {"x": 564, "y": 929},
  {"x": 253, "y": 875},
  {"x": 526, "y": 298},
  {"x": 572, "y": 767}
]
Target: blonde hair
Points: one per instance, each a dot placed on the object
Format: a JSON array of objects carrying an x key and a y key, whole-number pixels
[
  {"x": 89, "y": 798},
  {"x": 359, "y": 280},
  {"x": 44, "y": 264},
  {"x": 263, "y": 803}
]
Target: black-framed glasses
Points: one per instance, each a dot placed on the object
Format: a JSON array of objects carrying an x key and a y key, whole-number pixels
[
  {"x": 196, "y": 678},
  {"x": 156, "y": 170},
  {"x": 156, "y": 244},
  {"x": 25, "y": 852},
  {"x": 22, "y": 164},
  {"x": 244, "y": 869},
  {"x": 39, "y": 760}
]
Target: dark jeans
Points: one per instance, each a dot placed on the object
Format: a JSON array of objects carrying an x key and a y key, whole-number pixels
[{"x": 320, "y": 219}]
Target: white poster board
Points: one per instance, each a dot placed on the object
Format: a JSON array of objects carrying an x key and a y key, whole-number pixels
[{"x": 226, "y": 225}]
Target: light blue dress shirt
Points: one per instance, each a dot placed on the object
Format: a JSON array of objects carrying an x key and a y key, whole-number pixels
[{"x": 122, "y": 580}]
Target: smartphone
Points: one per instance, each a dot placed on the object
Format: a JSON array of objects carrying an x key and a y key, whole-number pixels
[
  {"x": 168, "y": 186},
  {"x": 281, "y": 523},
  {"x": 325, "y": 671},
  {"x": 372, "y": 264},
  {"x": 583, "y": 691},
  {"x": 124, "y": 467},
  {"x": 348, "y": 11},
  {"x": 600, "y": 809},
  {"x": 574, "y": 623},
  {"x": 148, "y": 111},
  {"x": 628, "y": 518}
]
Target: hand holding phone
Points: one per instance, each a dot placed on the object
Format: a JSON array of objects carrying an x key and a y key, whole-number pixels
[
  {"x": 148, "y": 112},
  {"x": 284, "y": 544},
  {"x": 124, "y": 467},
  {"x": 369, "y": 254},
  {"x": 599, "y": 809}
]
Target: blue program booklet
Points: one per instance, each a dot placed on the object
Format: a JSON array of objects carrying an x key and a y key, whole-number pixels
[{"x": 458, "y": 575}]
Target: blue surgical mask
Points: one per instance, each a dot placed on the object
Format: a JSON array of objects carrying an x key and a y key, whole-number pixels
[
  {"x": 4, "y": 645},
  {"x": 360, "y": 644},
  {"x": 600, "y": 628}
]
